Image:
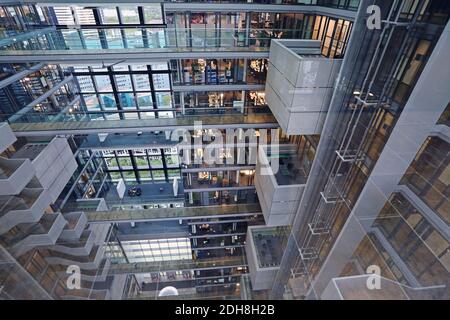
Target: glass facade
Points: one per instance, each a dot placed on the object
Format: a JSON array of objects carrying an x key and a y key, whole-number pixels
[
  {"x": 126, "y": 88},
  {"x": 428, "y": 176},
  {"x": 138, "y": 207},
  {"x": 401, "y": 232},
  {"x": 356, "y": 133},
  {"x": 134, "y": 27}
]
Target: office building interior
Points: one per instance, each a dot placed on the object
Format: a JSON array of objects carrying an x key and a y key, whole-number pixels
[{"x": 224, "y": 150}]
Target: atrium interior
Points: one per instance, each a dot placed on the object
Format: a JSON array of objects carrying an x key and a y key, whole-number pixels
[{"x": 224, "y": 150}]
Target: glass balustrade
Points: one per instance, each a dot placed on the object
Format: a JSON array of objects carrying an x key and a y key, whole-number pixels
[
  {"x": 141, "y": 38},
  {"x": 169, "y": 113}
]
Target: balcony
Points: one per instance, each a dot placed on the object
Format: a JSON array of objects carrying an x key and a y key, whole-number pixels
[
  {"x": 90, "y": 262},
  {"x": 80, "y": 247},
  {"x": 98, "y": 289},
  {"x": 300, "y": 83},
  {"x": 26, "y": 207},
  {"x": 54, "y": 163},
  {"x": 44, "y": 233},
  {"x": 280, "y": 180},
  {"x": 264, "y": 249},
  {"x": 100, "y": 231},
  {"x": 99, "y": 274},
  {"x": 76, "y": 222},
  {"x": 7, "y": 137},
  {"x": 14, "y": 175}
]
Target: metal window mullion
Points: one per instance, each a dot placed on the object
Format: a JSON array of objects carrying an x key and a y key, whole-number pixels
[
  {"x": 118, "y": 165},
  {"x": 172, "y": 98},
  {"x": 152, "y": 88},
  {"x": 338, "y": 38},
  {"x": 115, "y": 92},
  {"x": 149, "y": 166},
  {"x": 146, "y": 158},
  {"x": 347, "y": 36},
  {"x": 134, "y": 165},
  {"x": 133, "y": 90},
  {"x": 142, "y": 23},
  {"x": 163, "y": 158}
]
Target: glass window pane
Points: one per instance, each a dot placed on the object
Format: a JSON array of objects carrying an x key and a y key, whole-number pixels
[
  {"x": 115, "y": 176},
  {"x": 98, "y": 68},
  {"x": 86, "y": 84},
  {"x": 147, "y": 115},
  {"x": 161, "y": 81},
  {"x": 72, "y": 39},
  {"x": 108, "y": 101},
  {"x": 138, "y": 67},
  {"x": 123, "y": 82},
  {"x": 125, "y": 162},
  {"x": 103, "y": 83},
  {"x": 129, "y": 15},
  {"x": 159, "y": 66},
  {"x": 127, "y": 100},
  {"x": 144, "y": 100},
  {"x": 111, "y": 163},
  {"x": 141, "y": 162},
  {"x": 85, "y": 16},
  {"x": 145, "y": 175},
  {"x": 121, "y": 68},
  {"x": 173, "y": 173},
  {"x": 134, "y": 38},
  {"x": 158, "y": 175},
  {"x": 129, "y": 176},
  {"x": 91, "y": 39},
  {"x": 79, "y": 68},
  {"x": 153, "y": 14},
  {"x": 114, "y": 38},
  {"x": 64, "y": 15},
  {"x": 112, "y": 116},
  {"x": 141, "y": 82},
  {"x": 164, "y": 100},
  {"x": 91, "y": 102},
  {"x": 155, "y": 161},
  {"x": 172, "y": 160},
  {"x": 109, "y": 15}
]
